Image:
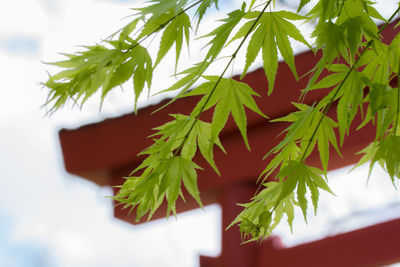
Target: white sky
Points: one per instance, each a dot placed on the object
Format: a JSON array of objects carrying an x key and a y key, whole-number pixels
[{"x": 49, "y": 218}]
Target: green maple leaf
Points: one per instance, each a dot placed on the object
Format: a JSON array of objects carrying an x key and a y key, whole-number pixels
[
  {"x": 198, "y": 137},
  {"x": 201, "y": 10},
  {"x": 221, "y": 33},
  {"x": 298, "y": 132},
  {"x": 271, "y": 33},
  {"x": 264, "y": 212},
  {"x": 302, "y": 4},
  {"x": 180, "y": 171},
  {"x": 297, "y": 174},
  {"x": 176, "y": 31},
  {"x": 229, "y": 97},
  {"x": 164, "y": 170},
  {"x": 100, "y": 67},
  {"x": 387, "y": 153},
  {"x": 192, "y": 75}
]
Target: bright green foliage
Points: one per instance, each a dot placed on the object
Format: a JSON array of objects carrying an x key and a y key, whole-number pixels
[
  {"x": 299, "y": 138},
  {"x": 387, "y": 153},
  {"x": 165, "y": 167},
  {"x": 341, "y": 28},
  {"x": 361, "y": 72},
  {"x": 302, "y": 4},
  {"x": 158, "y": 15},
  {"x": 265, "y": 211},
  {"x": 303, "y": 176},
  {"x": 267, "y": 208},
  {"x": 99, "y": 67},
  {"x": 271, "y": 32},
  {"x": 148, "y": 191},
  {"x": 229, "y": 97},
  {"x": 174, "y": 33},
  {"x": 202, "y": 9},
  {"x": 220, "y": 35},
  {"x": 350, "y": 94}
]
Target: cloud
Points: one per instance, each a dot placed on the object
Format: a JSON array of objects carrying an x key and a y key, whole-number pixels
[
  {"x": 14, "y": 253},
  {"x": 52, "y": 7},
  {"x": 20, "y": 44}
]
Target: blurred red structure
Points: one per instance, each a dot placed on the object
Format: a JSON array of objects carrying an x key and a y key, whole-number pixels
[{"x": 106, "y": 151}]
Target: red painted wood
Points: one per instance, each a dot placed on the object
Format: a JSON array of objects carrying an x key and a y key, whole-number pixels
[
  {"x": 233, "y": 253},
  {"x": 206, "y": 261},
  {"x": 376, "y": 245}
]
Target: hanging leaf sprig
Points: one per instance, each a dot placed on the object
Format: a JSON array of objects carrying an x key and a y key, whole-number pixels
[{"x": 361, "y": 71}]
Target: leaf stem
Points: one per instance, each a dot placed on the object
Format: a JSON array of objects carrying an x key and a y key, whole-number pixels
[{"x": 232, "y": 57}]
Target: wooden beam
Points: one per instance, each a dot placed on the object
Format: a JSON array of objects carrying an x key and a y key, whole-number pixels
[{"x": 376, "y": 245}]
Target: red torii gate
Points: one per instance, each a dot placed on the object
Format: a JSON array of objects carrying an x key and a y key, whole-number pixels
[{"x": 105, "y": 152}]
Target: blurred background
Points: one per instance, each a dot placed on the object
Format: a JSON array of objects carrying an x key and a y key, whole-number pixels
[{"x": 50, "y": 218}]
